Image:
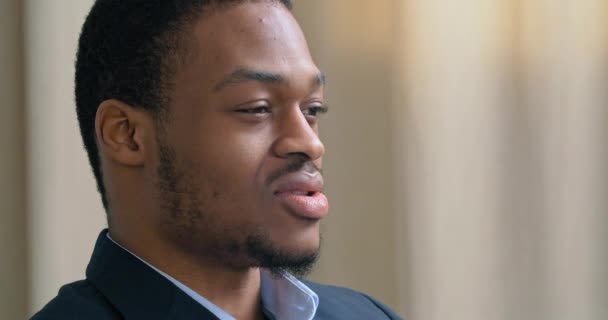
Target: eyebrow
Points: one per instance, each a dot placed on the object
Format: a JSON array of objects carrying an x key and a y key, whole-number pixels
[{"x": 243, "y": 75}]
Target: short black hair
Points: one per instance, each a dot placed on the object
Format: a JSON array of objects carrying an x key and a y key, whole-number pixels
[{"x": 128, "y": 50}]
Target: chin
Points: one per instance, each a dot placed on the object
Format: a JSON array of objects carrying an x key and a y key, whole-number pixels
[
  {"x": 299, "y": 240},
  {"x": 296, "y": 255}
]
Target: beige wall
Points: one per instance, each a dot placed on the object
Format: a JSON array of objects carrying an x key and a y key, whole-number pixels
[
  {"x": 13, "y": 266},
  {"x": 502, "y": 127},
  {"x": 64, "y": 210}
]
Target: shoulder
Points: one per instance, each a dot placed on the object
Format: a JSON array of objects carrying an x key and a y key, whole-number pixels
[
  {"x": 77, "y": 300},
  {"x": 348, "y": 304}
]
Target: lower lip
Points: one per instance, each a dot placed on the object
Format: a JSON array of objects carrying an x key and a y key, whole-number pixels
[{"x": 310, "y": 207}]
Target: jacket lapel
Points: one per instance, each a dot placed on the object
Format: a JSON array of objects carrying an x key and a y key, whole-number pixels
[{"x": 136, "y": 290}]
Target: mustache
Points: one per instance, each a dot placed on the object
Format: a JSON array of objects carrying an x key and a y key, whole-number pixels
[{"x": 298, "y": 163}]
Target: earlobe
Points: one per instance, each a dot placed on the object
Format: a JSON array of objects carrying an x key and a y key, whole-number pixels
[{"x": 120, "y": 129}]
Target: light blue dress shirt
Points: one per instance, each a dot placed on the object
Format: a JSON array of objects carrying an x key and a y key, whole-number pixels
[{"x": 283, "y": 297}]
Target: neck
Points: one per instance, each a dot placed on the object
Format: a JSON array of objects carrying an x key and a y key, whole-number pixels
[{"x": 236, "y": 291}]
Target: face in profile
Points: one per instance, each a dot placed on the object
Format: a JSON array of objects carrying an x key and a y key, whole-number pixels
[{"x": 238, "y": 166}]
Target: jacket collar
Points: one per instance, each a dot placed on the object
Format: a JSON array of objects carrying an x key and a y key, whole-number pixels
[{"x": 136, "y": 290}]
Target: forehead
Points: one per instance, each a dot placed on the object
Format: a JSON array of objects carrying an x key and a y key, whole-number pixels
[{"x": 255, "y": 35}]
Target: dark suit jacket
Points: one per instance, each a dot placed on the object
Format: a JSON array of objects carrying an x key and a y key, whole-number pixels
[{"x": 119, "y": 286}]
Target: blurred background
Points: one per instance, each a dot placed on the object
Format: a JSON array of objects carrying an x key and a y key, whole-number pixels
[{"x": 467, "y": 161}]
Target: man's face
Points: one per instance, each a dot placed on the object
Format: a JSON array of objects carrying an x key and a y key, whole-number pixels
[{"x": 239, "y": 156}]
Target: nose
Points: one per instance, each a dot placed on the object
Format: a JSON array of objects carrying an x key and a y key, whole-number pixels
[{"x": 297, "y": 136}]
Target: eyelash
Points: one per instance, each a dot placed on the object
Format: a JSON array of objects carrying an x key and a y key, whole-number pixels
[
  {"x": 313, "y": 111},
  {"x": 255, "y": 110}
]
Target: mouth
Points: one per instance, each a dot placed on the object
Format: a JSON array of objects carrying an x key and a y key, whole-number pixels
[{"x": 301, "y": 194}]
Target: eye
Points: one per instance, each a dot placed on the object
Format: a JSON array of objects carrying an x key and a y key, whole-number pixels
[
  {"x": 315, "y": 110},
  {"x": 255, "y": 110}
]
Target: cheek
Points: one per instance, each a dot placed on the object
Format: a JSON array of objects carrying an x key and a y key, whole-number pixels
[
  {"x": 238, "y": 155},
  {"x": 229, "y": 156},
  {"x": 231, "y": 165}
]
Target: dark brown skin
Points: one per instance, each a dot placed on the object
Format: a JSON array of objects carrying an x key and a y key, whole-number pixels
[{"x": 225, "y": 145}]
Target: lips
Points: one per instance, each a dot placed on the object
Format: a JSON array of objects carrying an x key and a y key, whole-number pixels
[{"x": 302, "y": 194}]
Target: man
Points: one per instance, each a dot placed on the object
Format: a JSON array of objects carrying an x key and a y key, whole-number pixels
[{"x": 200, "y": 119}]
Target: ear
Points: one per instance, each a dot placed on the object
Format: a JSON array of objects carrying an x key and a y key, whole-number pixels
[{"x": 121, "y": 131}]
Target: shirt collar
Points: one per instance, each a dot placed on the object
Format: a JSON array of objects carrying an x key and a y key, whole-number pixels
[
  {"x": 283, "y": 295},
  {"x": 286, "y": 297}
]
